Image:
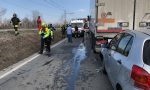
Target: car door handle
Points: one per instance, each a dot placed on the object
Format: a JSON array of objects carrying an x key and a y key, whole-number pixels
[
  {"x": 119, "y": 61},
  {"x": 109, "y": 54}
]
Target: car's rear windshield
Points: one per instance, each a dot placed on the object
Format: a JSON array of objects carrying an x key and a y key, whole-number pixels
[{"x": 146, "y": 52}]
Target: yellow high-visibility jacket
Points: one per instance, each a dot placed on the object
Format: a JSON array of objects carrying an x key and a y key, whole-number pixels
[
  {"x": 51, "y": 33},
  {"x": 45, "y": 33}
]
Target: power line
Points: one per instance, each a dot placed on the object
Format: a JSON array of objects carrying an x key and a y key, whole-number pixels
[
  {"x": 57, "y": 4},
  {"x": 38, "y": 3},
  {"x": 2, "y": 11},
  {"x": 29, "y": 10},
  {"x": 16, "y": 5},
  {"x": 53, "y": 5}
]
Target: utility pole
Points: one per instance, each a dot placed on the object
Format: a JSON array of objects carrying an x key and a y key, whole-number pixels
[
  {"x": 65, "y": 16},
  {"x": 134, "y": 11}
]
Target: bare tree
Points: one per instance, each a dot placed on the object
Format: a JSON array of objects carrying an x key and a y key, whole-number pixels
[
  {"x": 6, "y": 24},
  {"x": 35, "y": 14},
  {"x": 61, "y": 20},
  {"x": 2, "y": 12},
  {"x": 26, "y": 23}
]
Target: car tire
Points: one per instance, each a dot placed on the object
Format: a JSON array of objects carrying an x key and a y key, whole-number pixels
[{"x": 118, "y": 87}]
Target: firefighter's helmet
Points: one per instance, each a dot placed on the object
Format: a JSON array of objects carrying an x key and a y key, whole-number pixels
[{"x": 14, "y": 15}]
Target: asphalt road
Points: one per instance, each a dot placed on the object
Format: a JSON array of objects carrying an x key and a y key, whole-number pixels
[{"x": 72, "y": 66}]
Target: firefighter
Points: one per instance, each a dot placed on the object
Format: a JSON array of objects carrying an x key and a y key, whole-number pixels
[
  {"x": 63, "y": 30},
  {"x": 51, "y": 30},
  {"x": 51, "y": 34},
  {"x": 45, "y": 34},
  {"x": 39, "y": 21},
  {"x": 76, "y": 31},
  {"x": 52, "y": 27},
  {"x": 15, "y": 22}
]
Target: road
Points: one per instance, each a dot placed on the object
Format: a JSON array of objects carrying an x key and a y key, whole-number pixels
[{"x": 72, "y": 66}]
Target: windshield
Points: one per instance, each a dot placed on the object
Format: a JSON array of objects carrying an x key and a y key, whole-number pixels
[
  {"x": 146, "y": 54},
  {"x": 80, "y": 25}
]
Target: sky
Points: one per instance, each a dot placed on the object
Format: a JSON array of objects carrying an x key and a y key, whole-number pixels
[{"x": 51, "y": 10}]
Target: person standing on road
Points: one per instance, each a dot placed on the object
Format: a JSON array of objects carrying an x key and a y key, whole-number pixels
[
  {"x": 44, "y": 33},
  {"x": 63, "y": 30},
  {"x": 76, "y": 31},
  {"x": 69, "y": 33},
  {"x": 15, "y": 21},
  {"x": 52, "y": 29},
  {"x": 39, "y": 22}
]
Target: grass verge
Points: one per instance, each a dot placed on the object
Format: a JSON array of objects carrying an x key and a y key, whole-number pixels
[{"x": 15, "y": 48}]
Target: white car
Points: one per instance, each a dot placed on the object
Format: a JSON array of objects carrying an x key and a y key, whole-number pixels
[{"x": 126, "y": 59}]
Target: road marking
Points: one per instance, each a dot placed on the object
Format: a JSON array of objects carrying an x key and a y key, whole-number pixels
[
  {"x": 26, "y": 61},
  {"x": 19, "y": 66},
  {"x": 58, "y": 43}
]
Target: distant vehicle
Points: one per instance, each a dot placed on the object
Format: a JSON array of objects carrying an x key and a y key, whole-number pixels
[
  {"x": 126, "y": 59},
  {"x": 82, "y": 25},
  {"x": 109, "y": 17}
]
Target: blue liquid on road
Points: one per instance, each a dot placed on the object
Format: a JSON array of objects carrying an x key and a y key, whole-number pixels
[{"x": 79, "y": 56}]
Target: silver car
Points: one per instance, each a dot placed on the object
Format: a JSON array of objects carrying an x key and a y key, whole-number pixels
[{"x": 126, "y": 60}]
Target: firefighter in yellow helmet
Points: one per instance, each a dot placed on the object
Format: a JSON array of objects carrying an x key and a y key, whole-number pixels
[{"x": 45, "y": 34}]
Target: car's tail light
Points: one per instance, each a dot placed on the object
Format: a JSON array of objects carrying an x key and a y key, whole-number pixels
[
  {"x": 98, "y": 42},
  {"x": 141, "y": 77}
]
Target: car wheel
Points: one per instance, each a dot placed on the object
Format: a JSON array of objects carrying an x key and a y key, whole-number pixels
[{"x": 118, "y": 87}]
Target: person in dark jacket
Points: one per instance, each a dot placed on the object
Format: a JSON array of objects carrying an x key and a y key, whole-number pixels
[
  {"x": 63, "y": 30},
  {"x": 15, "y": 22},
  {"x": 76, "y": 31}
]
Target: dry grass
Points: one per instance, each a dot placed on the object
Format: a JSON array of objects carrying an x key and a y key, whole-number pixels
[{"x": 15, "y": 48}]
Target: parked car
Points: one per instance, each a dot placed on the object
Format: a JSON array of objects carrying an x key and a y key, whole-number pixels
[{"x": 126, "y": 59}]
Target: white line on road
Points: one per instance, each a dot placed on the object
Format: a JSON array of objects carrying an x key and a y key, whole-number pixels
[
  {"x": 27, "y": 60},
  {"x": 19, "y": 66}
]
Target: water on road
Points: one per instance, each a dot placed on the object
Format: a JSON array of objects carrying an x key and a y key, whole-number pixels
[{"x": 72, "y": 66}]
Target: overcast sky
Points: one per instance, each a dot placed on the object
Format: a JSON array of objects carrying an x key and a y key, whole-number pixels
[{"x": 51, "y": 10}]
